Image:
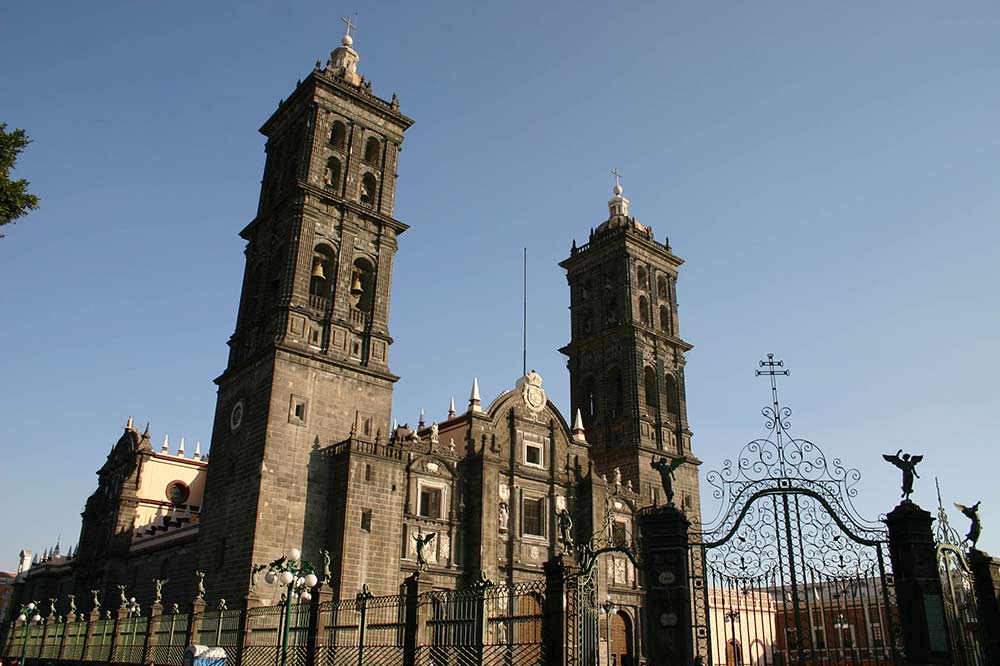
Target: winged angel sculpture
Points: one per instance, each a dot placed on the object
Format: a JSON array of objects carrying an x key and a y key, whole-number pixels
[
  {"x": 908, "y": 464},
  {"x": 972, "y": 513}
]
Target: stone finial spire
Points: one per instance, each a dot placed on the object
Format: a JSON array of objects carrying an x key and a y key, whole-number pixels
[
  {"x": 180, "y": 449},
  {"x": 420, "y": 421},
  {"x": 128, "y": 424},
  {"x": 451, "y": 408},
  {"x": 617, "y": 205},
  {"x": 166, "y": 444},
  {"x": 475, "y": 404},
  {"x": 578, "y": 430},
  {"x": 197, "y": 451},
  {"x": 343, "y": 60},
  {"x": 145, "y": 433}
]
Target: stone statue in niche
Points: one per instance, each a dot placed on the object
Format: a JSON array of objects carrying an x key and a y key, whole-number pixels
[{"x": 504, "y": 515}]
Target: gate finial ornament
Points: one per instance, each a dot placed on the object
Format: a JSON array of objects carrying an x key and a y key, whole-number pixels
[
  {"x": 972, "y": 513},
  {"x": 908, "y": 464}
]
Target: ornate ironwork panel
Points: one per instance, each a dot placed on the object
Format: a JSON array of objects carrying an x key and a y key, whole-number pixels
[
  {"x": 130, "y": 641},
  {"x": 788, "y": 572},
  {"x": 168, "y": 644},
  {"x": 958, "y": 587}
]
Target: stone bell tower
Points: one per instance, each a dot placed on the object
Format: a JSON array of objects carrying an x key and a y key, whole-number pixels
[
  {"x": 626, "y": 356},
  {"x": 309, "y": 359}
]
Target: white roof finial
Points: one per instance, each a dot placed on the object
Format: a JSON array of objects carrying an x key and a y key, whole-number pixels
[
  {"x": 474, "y": 402},
  {"x": 348, "y": 40},
  {"x": 166, "y": 444},
  {"x": 197, "y": 451},
  {"x": 128, "y": 425},
  {"x": 420, "y": 421},
  {"x": 578, "y": 430},
  {"x": 180, "y": 449},
  {"x": 451, "y": 408},
  {"x": 618, "y": 184},
  {"x": 618, "y": 204}
]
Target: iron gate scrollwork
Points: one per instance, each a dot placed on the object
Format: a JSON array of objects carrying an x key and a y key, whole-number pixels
[{"x": 788, "y": 572}]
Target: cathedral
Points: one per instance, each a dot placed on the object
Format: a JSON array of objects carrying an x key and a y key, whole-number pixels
[{"x": 304, "y": 453}]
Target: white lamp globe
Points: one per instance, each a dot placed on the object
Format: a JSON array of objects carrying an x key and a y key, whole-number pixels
[
  {"x": 311, "y": 580},
  {"x": 21, "y": 618},
  {"x": 31, "y": 606},
  {"x": 36, "y": 618},
  {"x": 270, "y": 577},
  {"x": 305, "y": 596},
  {"x": 294, "y": 554},
  {"x": 286, "y": 577}
]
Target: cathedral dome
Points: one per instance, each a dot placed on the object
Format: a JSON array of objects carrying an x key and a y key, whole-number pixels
[{"x": 618, "y": 216}]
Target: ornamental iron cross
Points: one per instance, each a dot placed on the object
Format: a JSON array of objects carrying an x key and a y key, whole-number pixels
[
  {"x": 617, "y": 174},
  {"x": 771, "y": 369},
  {"x": 349, "y": 24}
]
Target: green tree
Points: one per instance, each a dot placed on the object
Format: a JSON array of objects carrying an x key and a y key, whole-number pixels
[{"x": 15, "y": 200}]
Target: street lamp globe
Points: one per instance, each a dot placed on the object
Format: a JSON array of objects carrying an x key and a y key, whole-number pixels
[
  {"x": 270, "y": 577},
  {"x": 286, "y": 577},
  {"x": 21, "y": 618},
  {"x": 36, "y": 618},
  {"x": 311, "y": 580},
  {"x": 294, "y": 554},
  {"x": 31, "y": 606},
  {"x": 305, "y": 596}
]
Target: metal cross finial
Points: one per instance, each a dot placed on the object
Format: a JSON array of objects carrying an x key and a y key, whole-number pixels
[
  {"x": 771, "y": 368},
  {"x": 617, "y": 174},
  {"x": 349, "y": 24}
]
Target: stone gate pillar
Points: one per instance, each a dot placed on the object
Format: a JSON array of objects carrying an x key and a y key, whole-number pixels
[
  {"x": 415, "y": 615},
  {"x": 918, "y": 585},
  {"x": 557, "y": 631},
  {"x": 986, "y": 573},
  {"x": 667, "y": 631}
]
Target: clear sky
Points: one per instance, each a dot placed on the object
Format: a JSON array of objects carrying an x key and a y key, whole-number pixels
[{"x": 827, "y": 170}]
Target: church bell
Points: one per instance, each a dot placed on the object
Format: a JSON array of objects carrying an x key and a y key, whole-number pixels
[
  {"x": 318, "y": 269},
  {"x": 356, "y": 289}
]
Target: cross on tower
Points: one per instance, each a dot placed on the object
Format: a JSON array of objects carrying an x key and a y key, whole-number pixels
[
  {"x": 349, "y": 24},
  {"x": 617, "y": 174}
]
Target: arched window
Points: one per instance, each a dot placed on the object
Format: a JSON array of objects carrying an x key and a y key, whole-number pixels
[
  {"x": 368, "y": 185},
  {"x": 371, "y": 150},
  {"x": 649, "y": 382},
  {"x": 332, "y": 176},
  {"x": 338, "y": 135},
  {"x": 588, "y": 401},
  {"x": 734, "y": 653},
  {"x": 673, "y": 398},
  {"x": 321, "y": 275},
  {"x": 664, "y": 318},
  {"x": 641, "y": 278},
  {"x": 616, "y": 391},
  {"x": 661, "y": 288},
  {"x": 644, "y": 310},
  {"x": 361, "y": 284}
]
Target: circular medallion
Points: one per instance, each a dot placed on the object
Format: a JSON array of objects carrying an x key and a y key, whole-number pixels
[
  {"x": 236, "y": 416},
  {"x": 178, "y": 492}
]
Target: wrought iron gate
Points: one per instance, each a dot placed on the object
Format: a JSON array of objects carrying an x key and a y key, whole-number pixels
[
  {"x": 958, "y": 588},
  {"x": 788, "y": 572}
]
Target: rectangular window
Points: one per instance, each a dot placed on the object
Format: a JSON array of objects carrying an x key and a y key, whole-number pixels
[
  {"x": 366, "y": 520},
  {"x": 533, "y": 516},
  {"x": 532, "y": 454},
  {"x": 819, "y": 637},
  {"x": 430, "y": 502},
  {"x": 877, "y": 634}
]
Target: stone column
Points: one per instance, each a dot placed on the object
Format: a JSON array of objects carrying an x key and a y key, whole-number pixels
[
  {"x": 416, "y": 616},
  {"x": 69, "y": 622},
  {"x": 986, "y": 572},
  {"x": 155, "y": 611},
  {"x": 668, "y": 634},
  {"x": 918, "y": 585},
  {"x": 92, "y": 618},
  {"x": 557, "y": 632},
  {"x": 194, "y": 622}
]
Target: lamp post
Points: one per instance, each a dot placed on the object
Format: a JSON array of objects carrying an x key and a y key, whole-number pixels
[
  {"x": 608, "y": 607},
  {"x": 734, "y": 616},
  {"x": 29, "y": 615},
  {"x": 298, "y": 577}
]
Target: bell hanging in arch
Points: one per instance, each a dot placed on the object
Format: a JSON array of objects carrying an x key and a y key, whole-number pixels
[
  {"x": 356, "y": 289},
  {"x": 318, "y": 269}
]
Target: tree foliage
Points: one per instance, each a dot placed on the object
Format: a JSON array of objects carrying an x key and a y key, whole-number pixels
[{"x": 15, "y": 200}]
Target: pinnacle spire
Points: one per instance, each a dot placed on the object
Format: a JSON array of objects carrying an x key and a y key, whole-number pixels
[
  {"x": 128, "y": 424},
  {"x": 145, "y": 433},
  {"x": 475, "y": 405},
  {"x": 197, "y": 451},
  {"x": 166, "y": 444},
  {"x": 180, "y": 449},
  {"x": 451, "y": 408},
  {"x": 420, "y": 421},
  {"x": 578, "y": 429}
]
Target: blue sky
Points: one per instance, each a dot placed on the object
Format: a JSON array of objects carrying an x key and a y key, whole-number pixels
[{"x": 828, "y": 171}]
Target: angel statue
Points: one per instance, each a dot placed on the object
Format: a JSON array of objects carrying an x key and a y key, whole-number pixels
[
  {"x": 566, "y": 529},
  {"x": 666, "y": 469},
  {"x": 97, "y": 601},
  {"x": 908, "y": 464},
  {"x": 972, "y": 513},
  {"x": 121, "y": 591},
  {"x": 422, "y": 542},
  {"x": 159, "y": 583},
  {"x": 201, "y": 585}
]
